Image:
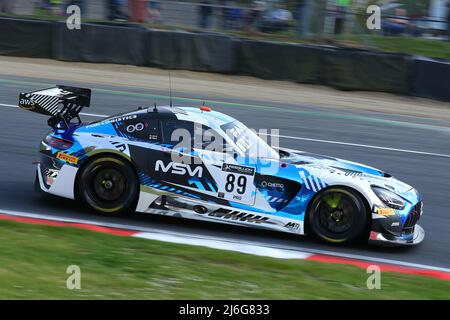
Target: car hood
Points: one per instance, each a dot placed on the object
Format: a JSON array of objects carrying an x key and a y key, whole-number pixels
[{"x": 347, "y": 168}]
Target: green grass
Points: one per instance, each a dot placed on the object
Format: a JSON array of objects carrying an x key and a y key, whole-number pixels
[
  {"x": 34, "y": 260},
  {"x": 402, "y": 44},
  {"x": 418, "y": 46}
]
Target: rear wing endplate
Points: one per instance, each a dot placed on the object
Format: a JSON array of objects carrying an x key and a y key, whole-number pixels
[{"x": 61, "y": 103}]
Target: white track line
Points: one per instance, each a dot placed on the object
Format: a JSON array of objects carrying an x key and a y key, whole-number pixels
[
  {"x": 82, "y": 113},
  {"x": 303, "y": 139},
  {"x": 178, "y": 237},
  {"x": 224, "y": 242},
  {"x": 256, "y": 250},
  {"x": 361, "y": 145}
]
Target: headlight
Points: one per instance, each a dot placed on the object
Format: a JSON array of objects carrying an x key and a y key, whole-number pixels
[{"x": 389, "y": 198}]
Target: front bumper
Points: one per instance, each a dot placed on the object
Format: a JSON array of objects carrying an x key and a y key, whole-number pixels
[{"x": 389, "y": 240}]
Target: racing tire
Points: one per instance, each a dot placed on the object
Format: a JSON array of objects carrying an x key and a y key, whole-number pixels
[
  {"x": 108, "y": 185},
  {"x": 338, "y": 215}
]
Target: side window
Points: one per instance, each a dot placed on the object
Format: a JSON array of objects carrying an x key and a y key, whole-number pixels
[
  {"x": 212, "y": 140},
  {"x": 177, "y": 131},
  {"x": 189, "y": 135},
  {"x": 147, "y": 130}
]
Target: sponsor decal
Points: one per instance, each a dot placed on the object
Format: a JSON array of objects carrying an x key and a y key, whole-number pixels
[
  {"x": 122, "y": 147},
  {"x": 292, "y": 226},
  {"x": 386, "y": 212},
  {"x": 67, "y": 158},
  {"x": 349, "y": 172},
  {"x": 238, "y": 216},
  {"x": 353, "y": 174},
  {"x": 26, "y": 104},
  {"x": 131, "y": 117},
  {"x": 269, "y": 184},
  {"x": 234, "y": 168},
  {"x": 135, "y": 127},
  {"x": 179, "y": 168}
]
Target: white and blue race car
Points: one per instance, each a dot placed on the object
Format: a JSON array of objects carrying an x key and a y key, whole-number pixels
[{"x": 200, "y": 164}]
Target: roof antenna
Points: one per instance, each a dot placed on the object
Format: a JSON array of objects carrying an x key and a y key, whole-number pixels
[
  {"x": 155, "y": 109},
  {"x": 170, "y": 89}
]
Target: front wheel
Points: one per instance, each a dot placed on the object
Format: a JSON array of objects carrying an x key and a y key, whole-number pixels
[
  {"x": 108, "y": 185},
  {"x": 338, "y": 215}
]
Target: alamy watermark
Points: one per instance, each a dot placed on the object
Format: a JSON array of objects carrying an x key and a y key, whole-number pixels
[
  {"x": 374, "y": 280},
  {"x": 234, "y": 141},
  {"x": 73, "y": 282},
  {"x": 73, "y": 21},
  {"x": 374, "y": 20}
]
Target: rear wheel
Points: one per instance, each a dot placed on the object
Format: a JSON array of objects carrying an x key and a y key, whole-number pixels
[
  {"x": 108, "y": 185},
  {"x": 338, "y": 215}
]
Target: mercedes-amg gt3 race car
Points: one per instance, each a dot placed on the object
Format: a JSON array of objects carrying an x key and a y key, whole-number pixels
[{"x": 200, "y": 164}]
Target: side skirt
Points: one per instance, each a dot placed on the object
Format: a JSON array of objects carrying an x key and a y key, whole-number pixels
[{"x": 168, "y": 204}]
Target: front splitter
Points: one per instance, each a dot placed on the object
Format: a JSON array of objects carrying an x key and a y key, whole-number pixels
[{"x": 381, "y": 239}]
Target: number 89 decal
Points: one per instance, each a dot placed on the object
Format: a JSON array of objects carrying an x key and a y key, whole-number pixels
[
  {"x": 236, "y": 183},
  {"x": 239, "y": 185}
]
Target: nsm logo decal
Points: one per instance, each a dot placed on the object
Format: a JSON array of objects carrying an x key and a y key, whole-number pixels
[{"x": 179, "y": 168}]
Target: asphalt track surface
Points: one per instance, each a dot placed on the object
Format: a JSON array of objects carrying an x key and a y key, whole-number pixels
[{"x": 415, "y": 150}]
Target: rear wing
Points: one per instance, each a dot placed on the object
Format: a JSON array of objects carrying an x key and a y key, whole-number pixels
[{"x": 61, "y": 103}]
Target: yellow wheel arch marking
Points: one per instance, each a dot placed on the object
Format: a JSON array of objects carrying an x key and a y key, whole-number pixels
[{"x": 99, "y": 151}]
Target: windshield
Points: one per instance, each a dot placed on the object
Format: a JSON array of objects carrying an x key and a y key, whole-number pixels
[{"x": 248, "y": 142}]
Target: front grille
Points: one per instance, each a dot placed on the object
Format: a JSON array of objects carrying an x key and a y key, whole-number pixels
[{"x": 413, "y": 217}]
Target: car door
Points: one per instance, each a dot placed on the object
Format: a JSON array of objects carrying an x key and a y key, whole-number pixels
[
  {"x": 176, "y": 165},
  {"x": 197, "y": 169},
  {"x": 233, "y": 173},
  {"x": 234, "y": 180}
]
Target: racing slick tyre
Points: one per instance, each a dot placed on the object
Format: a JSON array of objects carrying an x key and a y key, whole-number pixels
[
  {"x": 108, "y": 185},
  {"x": 338, "y": 215}
]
